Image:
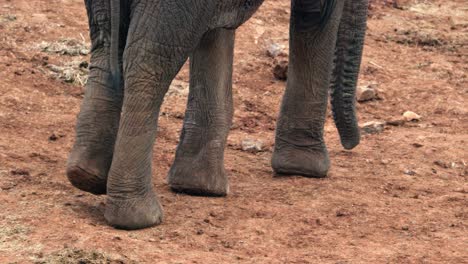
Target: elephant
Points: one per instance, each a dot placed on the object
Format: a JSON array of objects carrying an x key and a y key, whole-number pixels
[{"x": 139, "y": 46}]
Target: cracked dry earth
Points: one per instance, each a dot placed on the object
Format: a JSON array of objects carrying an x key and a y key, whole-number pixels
[{"x": 400, "y": 197}]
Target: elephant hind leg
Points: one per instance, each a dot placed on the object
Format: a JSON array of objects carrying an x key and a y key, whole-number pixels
[
  {"x": 91, "y": 156},
  {"x": 98, "y": 121},
  {"x": 198, "y": 168}
]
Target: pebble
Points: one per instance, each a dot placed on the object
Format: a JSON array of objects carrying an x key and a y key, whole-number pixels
[
  {"x": 410, "y": 116},
  {"x": 280, "y": 69},
  {"x": 20, "y": 172},
  {"x": 341, "y": 213},
  {"x": 53, "y": 137},
  {"x": 385, "y": 161},
  {"x": 274, "y": 49},
  {"x": 396, "y": 122},
  {"x": 443, "y": 164},
  {"x": 252, "y": 145},
  {"x": 366, "y": 93},
  {"x": 373, "y": 127},
  {"x": 84, "y": 52}
]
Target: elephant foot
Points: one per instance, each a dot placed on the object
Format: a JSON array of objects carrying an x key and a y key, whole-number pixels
[
  {"x": 88, "y": 171},
  {"x": 91, "y": 157},
  {"x": 136, "y": 213},
  {"x": 200, "y": 182},
  {"x": 197, "y": 177},
  {"x": 303, "y": 161},
  {"x": 85, "y": 181}
]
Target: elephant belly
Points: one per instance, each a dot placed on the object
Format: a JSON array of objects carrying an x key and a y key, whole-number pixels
[{"x": 235, "y": 13}]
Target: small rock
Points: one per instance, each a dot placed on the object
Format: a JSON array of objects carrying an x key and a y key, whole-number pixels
[
  {"x": 411, "y": 116},
  {"x": 373, "y": 127},
  {"x": 84, "y": 52},
  {"x": 385, "y": 161},
  {"x": 252, "y": 145},
  {"x": 366, "y": 93},
  {"x": 417, "y": 145},
  {"x": 442, "y": 164},
  {"x": 396, "y": 122},
  {"x": 280, "y": 69},
  {"x": 274, "y": 49},
  {"x": 8, "y": 186},
  {"x": 341, "y": 213},
  {"x": 20, "y": 172},
  {"x": 84, "y": 64},
  {"x": 409, "y": 172},
  {"x": 227, "y": 244},
  {"x": 53, "y": 137}
]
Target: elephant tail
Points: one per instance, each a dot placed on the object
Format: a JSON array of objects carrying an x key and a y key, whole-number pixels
[
  {"x": 347, "y": 64},
  {"x": 114, "y": 42}
]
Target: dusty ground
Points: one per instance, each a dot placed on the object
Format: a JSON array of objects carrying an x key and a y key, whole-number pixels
[{"x": 400, "y": 197}]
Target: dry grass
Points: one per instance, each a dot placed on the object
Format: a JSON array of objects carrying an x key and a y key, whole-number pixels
[
  {"x": 73, "y": 256},
  {"x": 74, "y": 72},
  {"x": 14, "y": 238},
  {"x": 7, "y": 18},
  {"x": 70, "y": 47}
]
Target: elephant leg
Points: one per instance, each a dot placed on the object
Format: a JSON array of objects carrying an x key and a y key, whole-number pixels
[
  {"x": 160, "y": 41},
  {"x": 198, "y": 168},
  {"x": 98, "y": 120},
  {"x": 299, "y": 145}
]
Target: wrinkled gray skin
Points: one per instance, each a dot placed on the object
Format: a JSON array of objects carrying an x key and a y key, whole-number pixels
[{"x": 148, "y": 41}]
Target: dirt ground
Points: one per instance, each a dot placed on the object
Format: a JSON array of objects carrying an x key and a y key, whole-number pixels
[{"x": 400, "y": 197}]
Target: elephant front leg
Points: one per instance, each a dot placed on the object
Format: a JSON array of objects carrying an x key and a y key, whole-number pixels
[
  {"x": 300, "y": 148},
  {"x": 160, "y": 39},
  {"x": 131, "y": 201},
  {"x": 198, "y": 168},
  {"x": 98, "y": 121}
]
